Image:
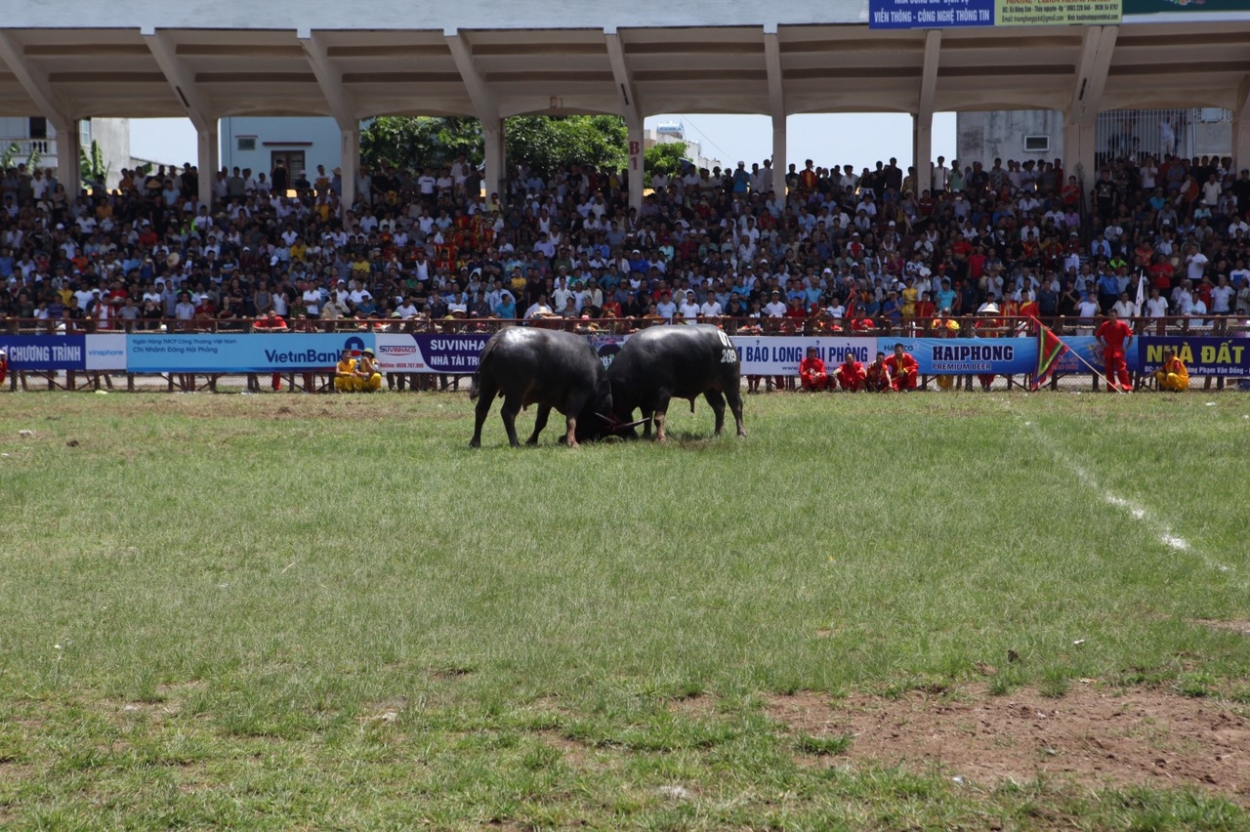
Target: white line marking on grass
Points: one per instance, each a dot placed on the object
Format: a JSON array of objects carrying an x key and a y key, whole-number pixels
[{"x": 1135, "y": 510}]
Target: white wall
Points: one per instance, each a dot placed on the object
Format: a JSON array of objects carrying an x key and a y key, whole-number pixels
[{"x": 984, "y": 136}]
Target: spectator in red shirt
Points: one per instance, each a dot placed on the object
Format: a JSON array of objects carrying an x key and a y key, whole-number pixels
[
  {"x": 1115, "y": 336},
  {"x": 903, "y": 369},
  {"x": 851, "y": 374},
  {"x": 812, "y": 372}
]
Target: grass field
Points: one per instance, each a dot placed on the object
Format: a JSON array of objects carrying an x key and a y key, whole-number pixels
[{"x": 328, "y": 612}]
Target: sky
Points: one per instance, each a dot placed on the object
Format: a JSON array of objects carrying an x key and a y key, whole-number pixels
[{"x": 859, "y": 139}]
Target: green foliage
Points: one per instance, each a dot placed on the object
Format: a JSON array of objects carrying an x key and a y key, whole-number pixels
[
  {"x": 416, "y": 142},
  {"x": 664, "y": 158},
  {"x": 544, "y": 143},
  {"x": 8, "y": 155},
  {"x": 91, "y": 166}
]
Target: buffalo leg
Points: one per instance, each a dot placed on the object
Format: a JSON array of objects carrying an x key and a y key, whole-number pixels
[
  {"x": 717, "y": 401},
  {"x": 540, "y": 422},
  {"x": 511, "y": 407},
  {"x": 661, "y": 413},
  {"x": 570, "y": 436},
  {"x": 734, "y": 395},
  {"x": 485, "y": 397}
]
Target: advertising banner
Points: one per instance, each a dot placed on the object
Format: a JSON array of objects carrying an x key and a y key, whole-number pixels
[
  {"x": 106, "y": 352},
  {"x": 969, "y": 356},
  {"x": 239, "y": 353},
  {"x": 45, "y": 352},
  {"x": 1088, "y": 348},
  {"x": 1058, "y": 12},
  {"x": 929, "y": 14},
  {"x": 954, "y": 14},
  {"x": 780, "y": 356},
  {"x": 424, "y": 353},
  {"x": 1202, "y": 356}
]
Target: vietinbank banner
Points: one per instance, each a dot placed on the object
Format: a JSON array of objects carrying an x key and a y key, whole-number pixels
[
  {"x": 780, "y": 356},
  {"x": 239, "y": 353},
  {"x": 968, "y": 356},
  {"x": 1202, "y": 356},
  {"x": 36, "y": 353}
]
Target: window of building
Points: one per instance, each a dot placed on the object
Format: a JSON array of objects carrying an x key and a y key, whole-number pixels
[
  {"x": 246, "y": 144},
  {"x": 1037, "y": 144},
  {"x": 38, "y": 128}
]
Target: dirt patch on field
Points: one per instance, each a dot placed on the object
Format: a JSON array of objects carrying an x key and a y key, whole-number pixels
[
  {"x": 1094, "y": 736},
  {"x": 1242, "y": 627}
]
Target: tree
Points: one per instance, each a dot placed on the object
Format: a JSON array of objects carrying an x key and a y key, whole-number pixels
[
  {"x": 546, "y": 143},
  {"x": 543, "y": 143},
  {"x": 413, "y": 143},
  {"x": 667, "y": 158},
  {"x": 91, "y": 167}
]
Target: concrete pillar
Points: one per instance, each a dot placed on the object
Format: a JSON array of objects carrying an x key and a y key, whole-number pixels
[
  {"x": 206, "y": 161},
  {"x": 1241, "y": 142},
  {"x": 780, "y": 165},
  {"x": 637, "y": 167},
  {"x": 496, "y": 158},
  {"x": 1078, "y": 153},
  {"x": 922, "y": 152},
  {"x": 69, "y": 158},
  {"x": 349, "y": 167}
]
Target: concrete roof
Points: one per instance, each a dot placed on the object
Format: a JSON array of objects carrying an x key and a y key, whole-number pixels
[{"x": 214, "y": 59}]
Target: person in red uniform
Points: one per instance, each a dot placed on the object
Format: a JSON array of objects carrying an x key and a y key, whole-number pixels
[
  {"x": 271, "y": 322},
  {"x": 1115, "y": 336},
  {"x": 812, "y": 372},
  {"x": 904, "y": 371},
  {"x": 877, "y": 376},
  {"x": 4, "y": 366},
  {"x": 851, "y": 374}
]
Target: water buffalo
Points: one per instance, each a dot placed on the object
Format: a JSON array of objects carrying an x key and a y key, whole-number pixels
[
  {"x": 683, "y": 362},
  {"x": 528, "y": 366}
]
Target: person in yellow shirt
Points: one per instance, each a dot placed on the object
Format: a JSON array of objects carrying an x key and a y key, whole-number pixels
[
  {"x": 1173, "y": 375},
  {"x": 345, "y": 377},
  {"x": 910, "y": 295},
  {"x": 299, "y": 250},
  {"x": 368, "y": 379}
]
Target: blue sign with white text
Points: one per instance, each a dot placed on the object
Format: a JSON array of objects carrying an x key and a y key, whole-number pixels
[
  {"x": 929, "y": 14},
  {"x": 36, "y": 353},
  {"x": 968, "y": 356}
]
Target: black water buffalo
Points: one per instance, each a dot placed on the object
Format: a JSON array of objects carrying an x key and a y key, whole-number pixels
[
  {"x": 682, "y": 362},
  {"x": 527, "y": 366}
]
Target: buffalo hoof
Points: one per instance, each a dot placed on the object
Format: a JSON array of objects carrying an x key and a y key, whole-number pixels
[{"x": 475, "y": 443}]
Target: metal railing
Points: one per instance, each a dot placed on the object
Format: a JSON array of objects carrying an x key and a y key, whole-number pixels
[{"x": 1138, "y": 133}]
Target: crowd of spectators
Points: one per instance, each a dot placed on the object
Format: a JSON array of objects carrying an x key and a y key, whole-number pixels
[{"x": 839, "y": 250}]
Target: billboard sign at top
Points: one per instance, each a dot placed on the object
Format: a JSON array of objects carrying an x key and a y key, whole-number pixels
[{"x": 936, "y": 14}]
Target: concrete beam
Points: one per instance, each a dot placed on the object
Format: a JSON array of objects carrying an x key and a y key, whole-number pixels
[
  {"x": 630, "y": 108},
  {"x": 329, "y": 80},
  {"x": 1091, "y": 74},
  {"x": 36, "y": 85},
  {"x": 922, "y": 133},
  {"x": 181, "y": 80},
  {"x": 485, "y": 103},
  {"x": 777, "y": 109},
  {"x": 632, "y": 112},
  {"x": 1241, "y": 125}
]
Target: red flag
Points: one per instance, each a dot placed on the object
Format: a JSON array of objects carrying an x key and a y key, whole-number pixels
[{"x": 1049, "y": 350}]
